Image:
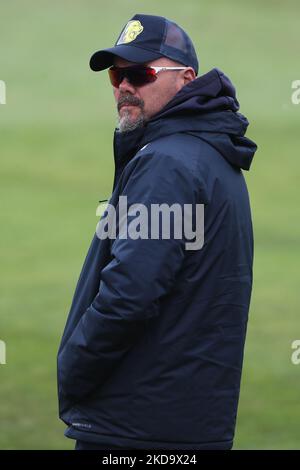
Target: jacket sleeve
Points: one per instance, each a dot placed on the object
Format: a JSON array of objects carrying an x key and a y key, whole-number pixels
[{"x": 140, "y": 273}]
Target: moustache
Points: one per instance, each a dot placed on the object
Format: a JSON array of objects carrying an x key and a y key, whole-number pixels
[{"x": 130, "y": 100}]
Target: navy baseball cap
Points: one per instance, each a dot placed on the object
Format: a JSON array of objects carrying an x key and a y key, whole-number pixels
[{"x": 145, "y": 38}]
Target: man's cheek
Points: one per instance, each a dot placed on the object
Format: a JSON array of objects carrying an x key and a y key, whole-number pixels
[{"x": 116, "y": 93}]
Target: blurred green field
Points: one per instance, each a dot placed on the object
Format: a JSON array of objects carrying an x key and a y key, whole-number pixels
[{"x": 56, "y": 163}]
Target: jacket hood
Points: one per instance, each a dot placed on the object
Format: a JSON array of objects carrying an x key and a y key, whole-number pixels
[{"x": 207, "y": 108}]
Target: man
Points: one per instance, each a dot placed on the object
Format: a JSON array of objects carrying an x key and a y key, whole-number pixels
[{"x": 152, "y": 351}]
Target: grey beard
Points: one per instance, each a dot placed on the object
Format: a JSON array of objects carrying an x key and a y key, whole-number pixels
[{"x": 125, "y": 124}]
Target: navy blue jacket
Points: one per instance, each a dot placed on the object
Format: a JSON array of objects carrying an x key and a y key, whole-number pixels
[{"x": 151, "y": 356}]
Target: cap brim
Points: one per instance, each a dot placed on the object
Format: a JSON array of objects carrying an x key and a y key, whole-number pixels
[{"x": 101, "y": 60}]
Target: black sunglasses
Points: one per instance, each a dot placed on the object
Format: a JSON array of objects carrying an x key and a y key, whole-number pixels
[{"x": 137, "y": 75}]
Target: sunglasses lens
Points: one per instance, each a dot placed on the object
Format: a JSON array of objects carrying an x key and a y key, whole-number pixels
[
  {"x": 136, "y": 75},
  {"x": 141, "y": 76},
  {"x": 115, "y": 76}
]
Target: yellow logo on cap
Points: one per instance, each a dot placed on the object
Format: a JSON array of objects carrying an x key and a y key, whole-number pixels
[{"x": 131, "y": 31}]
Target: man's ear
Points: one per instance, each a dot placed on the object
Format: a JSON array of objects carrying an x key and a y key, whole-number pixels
[{"x": 189, "y": 75}]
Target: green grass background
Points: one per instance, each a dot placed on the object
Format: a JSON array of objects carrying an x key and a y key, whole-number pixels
[{"x": 56, "y": 163}]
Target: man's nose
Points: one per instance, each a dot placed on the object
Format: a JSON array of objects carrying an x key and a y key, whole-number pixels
[{"x": 126, "y": 86}]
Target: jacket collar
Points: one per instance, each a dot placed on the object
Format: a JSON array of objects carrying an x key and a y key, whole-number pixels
[
  {"x": 206, "y": 107},
  {"x": 200, "y": 96}
]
